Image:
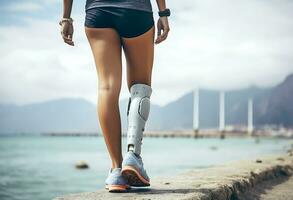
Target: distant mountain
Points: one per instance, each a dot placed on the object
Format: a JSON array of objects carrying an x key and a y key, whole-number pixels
[
  {"x": 277, "y": 106},
  {"x": 62, "y": 115},
  {"x": 271, "y": 106}
]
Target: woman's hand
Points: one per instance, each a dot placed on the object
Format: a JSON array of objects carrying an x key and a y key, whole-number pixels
[
  {"x": 67, "y": 32},
  {"x": 162, "y": 25}
]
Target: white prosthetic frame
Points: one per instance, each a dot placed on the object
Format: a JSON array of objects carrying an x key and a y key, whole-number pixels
[{"x": 137, "y": 115}]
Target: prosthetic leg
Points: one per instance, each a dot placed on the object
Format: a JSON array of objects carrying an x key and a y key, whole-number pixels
[{"x": 137, "y": 115}]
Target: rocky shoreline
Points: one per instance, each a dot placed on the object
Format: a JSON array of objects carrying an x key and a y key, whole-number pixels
[{"x": 228, "y": 181}]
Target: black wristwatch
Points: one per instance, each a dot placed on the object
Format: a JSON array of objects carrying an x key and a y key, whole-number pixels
[{"x": 165, "y": 13}]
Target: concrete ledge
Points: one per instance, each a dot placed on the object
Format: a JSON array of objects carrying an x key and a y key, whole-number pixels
[{"x": 228, "y": 181}]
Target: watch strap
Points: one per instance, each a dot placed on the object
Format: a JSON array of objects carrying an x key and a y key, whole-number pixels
[{"x": 165, "y": 13}]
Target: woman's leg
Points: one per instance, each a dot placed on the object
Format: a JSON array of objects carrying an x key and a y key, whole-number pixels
[
  {"x": 106, "y": 47},
  {"x": 139, "y": 53}
]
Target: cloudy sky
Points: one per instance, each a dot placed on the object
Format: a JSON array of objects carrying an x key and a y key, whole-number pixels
[{"x": 216, "y": 44}]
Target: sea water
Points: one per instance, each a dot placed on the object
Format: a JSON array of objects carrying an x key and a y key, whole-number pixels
[{"x": 43, "y": 167}]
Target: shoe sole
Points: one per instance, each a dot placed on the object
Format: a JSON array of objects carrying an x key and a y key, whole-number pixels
[
  {"x": 134, "y": 177},
  {"x": 117, "y": 188}
]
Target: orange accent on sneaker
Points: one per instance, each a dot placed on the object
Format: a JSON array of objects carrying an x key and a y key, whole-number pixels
[
  {"x": 116, "y": 188},
  {"x": 130, "y": 169}
]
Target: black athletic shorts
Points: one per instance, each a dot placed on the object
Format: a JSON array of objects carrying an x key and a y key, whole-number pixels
[{"x": 127, "y": 22}]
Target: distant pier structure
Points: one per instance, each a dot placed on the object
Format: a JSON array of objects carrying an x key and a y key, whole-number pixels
[
  {"x": 250, "y": 128},
  {"x": 196, "y": 112},
  {"x": 222, "y": 114}
]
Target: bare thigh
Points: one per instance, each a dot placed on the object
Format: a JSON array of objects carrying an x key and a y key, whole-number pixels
[
  {"x": 139, "y": 53},
  {"x": 106, "y": 47}
]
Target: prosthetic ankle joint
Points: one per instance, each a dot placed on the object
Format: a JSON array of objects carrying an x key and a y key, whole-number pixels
[{"x": 137, "y": 115}]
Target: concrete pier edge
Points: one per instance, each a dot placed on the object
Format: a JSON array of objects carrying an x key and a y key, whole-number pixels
[{"x": 223, "y": 182}]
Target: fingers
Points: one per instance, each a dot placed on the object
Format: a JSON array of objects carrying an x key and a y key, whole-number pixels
[
  {"x": 68, "y": 39},
  {"x": 159, "y": 30},
  {"x": 163, "y": 31},
  {"x": 158, "y": 40},
  {"x": 67, "y": 32},
  {"x": 162, "y": 37}
]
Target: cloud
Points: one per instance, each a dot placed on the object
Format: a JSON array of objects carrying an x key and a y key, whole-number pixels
[
  {"x": 212, "y": 44},
  {"x": 36, "y": 65},
  {"x": 27, "y": 5},
  {"x": 22, "y": 7},
  {"x": 225, "y": 45}
]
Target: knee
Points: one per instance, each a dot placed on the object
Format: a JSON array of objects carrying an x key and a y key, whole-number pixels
[{"x": 110, "y": 89}]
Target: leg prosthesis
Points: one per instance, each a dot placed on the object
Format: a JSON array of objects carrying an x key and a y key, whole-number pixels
[{"x": 137, "y": 115}]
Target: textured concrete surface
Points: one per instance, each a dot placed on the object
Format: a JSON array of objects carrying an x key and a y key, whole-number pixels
[
  {"x": 280, "y": 188},
  {"x": 232, "y": 180}
]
